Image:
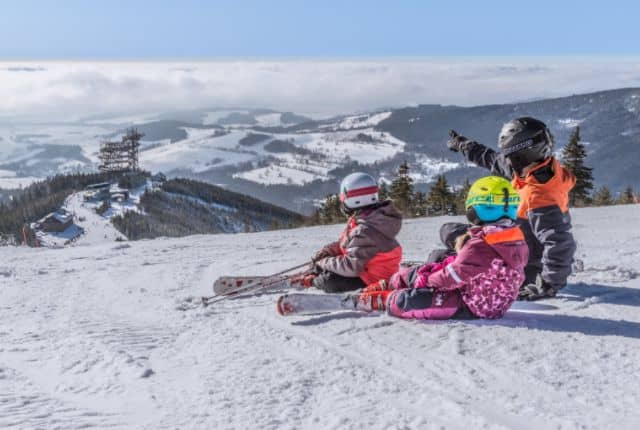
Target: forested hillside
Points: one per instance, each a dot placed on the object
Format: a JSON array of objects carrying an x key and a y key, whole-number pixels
[{"x": 182, "y": 207}]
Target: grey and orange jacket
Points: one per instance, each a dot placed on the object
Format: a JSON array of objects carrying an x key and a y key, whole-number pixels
[
  {"x": 543, "y": 213},
  {"x": 367, "y": 247}
]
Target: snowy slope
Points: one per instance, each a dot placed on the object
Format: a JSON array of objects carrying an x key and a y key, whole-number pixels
[
  {"x": 318, "y": 154},
  {"x": 90, "y": 228},
  {"x": 90, "y": 337},
  {"x": 360, "y": 121},
  {"x": 199, "y": 151},
  {"x": 323, "y": 153}
]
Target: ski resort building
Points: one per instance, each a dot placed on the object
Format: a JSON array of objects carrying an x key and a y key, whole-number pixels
[
  {"x": 57, "y": 221},
  {"x": 97, "y": 192},
  {"x": 105, "y": 191},
  {"x": 119, "y": 194}
]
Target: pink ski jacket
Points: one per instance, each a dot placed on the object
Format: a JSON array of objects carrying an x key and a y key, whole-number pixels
[{"x": 488, "y": 270}]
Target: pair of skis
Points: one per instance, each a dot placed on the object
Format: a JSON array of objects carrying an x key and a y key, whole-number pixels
[{"x": 226, "y": 287}]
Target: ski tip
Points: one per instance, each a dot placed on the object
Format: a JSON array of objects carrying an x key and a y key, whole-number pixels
[
  {"x": 279, "y": 305},
  {"x": 283, "y": 308}
]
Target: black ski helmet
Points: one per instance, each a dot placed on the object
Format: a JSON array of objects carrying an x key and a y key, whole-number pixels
[{"x": 524, "y": 141}]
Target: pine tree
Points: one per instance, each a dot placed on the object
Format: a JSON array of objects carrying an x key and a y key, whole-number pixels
[
  {"x": 315, "y": 219},
  {"x": 461, "y": 197},
  {"x": 602, "y": 197},
  {"x": 573, "y": 156},
  {"x": 626, "y": 197},
  {"x": 440, "y": 199},
  {"x": 419, "y": 204},
  {"x": 401, "y": 191},
  {"x": 383, "y": 193},
  {"x": 329, "y": 211}
]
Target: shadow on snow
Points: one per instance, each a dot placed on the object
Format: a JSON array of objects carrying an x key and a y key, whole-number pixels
[
  {"x": 566, "y": 324},
  {"x": 597, "y": 293},
  {"x": 538, "y": 316}
]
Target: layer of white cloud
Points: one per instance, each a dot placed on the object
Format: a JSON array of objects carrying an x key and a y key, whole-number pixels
[{"x": 71, "y": 90}]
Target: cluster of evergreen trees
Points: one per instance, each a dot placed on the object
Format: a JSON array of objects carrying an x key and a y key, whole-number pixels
[
  {"x": 220, "y": 196},
  {"x": 442, "y": 199},
  {"x": 41, "y": 198},
  {"x": 171, "y": 216},
  {"x": 183, "y": 207},
  {"x": 133, "y": 179},
  {"x": 583, "y": 194}
]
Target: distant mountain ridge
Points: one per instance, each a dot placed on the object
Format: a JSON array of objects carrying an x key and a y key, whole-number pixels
[
  {"x": 293, "y": 161},
  {"x": 609, "y": 122}
]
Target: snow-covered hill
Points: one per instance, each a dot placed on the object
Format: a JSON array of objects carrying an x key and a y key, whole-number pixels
[{"x": 91, "y": 337}]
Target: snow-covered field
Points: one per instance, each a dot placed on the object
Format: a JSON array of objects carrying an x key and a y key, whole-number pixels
[
  {"x": 91, "y": 337},
  {"x": 321, "y": 153},
  {"x": 332, "y": 149},
  {"x": 198, "y": 152},
  {"x": 361, "y": 121}
]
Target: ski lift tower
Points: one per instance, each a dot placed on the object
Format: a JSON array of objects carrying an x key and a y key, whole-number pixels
[{"x": 121, "y": 156}]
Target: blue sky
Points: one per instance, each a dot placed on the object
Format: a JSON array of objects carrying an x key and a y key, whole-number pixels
[{"x": 161, "y": 29}]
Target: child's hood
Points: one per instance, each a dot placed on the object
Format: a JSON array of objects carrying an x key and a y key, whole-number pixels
[
  {"x": 506, "y": 239},
  {"x": 384, "y": 218}
]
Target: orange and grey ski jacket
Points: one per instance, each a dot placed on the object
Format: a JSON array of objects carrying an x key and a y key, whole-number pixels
[
  {"x": 543, "y": 214},
  {"x": 367, "y": 247}
]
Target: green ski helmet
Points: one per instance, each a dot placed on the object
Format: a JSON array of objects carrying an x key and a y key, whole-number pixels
[{"x": 491, "y": 198}]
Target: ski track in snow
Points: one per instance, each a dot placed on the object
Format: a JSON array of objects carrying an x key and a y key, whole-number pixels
[{"x": 91, "y": 336}]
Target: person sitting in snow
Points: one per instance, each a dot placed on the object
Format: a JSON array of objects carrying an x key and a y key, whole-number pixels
[
  {"x": 544, "y": 185},
  {"x": 367, "y": 250},
  {"x": 482, "y": 278}
]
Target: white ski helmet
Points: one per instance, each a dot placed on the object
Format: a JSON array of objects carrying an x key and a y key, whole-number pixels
[{"x": 358, "y": 190}]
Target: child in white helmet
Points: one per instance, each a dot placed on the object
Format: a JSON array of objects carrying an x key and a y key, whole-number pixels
[{"x": 367, "y": 250}]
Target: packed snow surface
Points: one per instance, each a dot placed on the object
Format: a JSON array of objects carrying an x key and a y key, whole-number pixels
[{"x": 105, "y": 335}]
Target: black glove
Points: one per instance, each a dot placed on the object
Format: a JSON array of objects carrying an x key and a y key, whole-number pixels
[
  {"x": 323, "y": 253},
  {"x": 316, "y": 267},
  {"x": 457, "y": 143},
  {"x": 540, "y": 290}
]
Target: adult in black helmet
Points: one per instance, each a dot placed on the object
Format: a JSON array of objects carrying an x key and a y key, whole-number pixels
[{"x": 525, "y": 157}]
